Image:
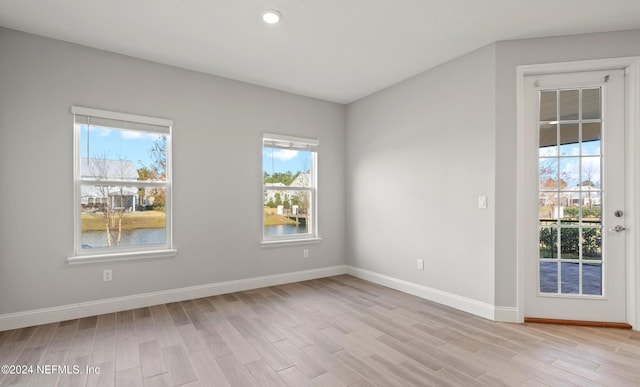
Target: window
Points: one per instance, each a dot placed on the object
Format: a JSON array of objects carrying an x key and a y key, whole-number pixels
[
  {"x": 570, "y": 191},
  {"x": 122, "y": 182},
  {"x": 289, "y": 178}
]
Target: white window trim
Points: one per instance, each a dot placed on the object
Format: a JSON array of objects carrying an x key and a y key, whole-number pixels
[
  {"x": 122, "y": 256},
  {"x": 313, "y": 236},
  {"x": 167, "y": 250},
  {"x": 289, "y": 242}
]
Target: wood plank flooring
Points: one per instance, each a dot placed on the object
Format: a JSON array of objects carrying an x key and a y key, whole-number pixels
[{"x": 337, "y": 331}]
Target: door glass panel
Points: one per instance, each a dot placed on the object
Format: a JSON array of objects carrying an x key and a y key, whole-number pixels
[
  {"x": 569, "y": 139},
  {"x": 592, "y": 279},
  {"x": 548, "y": 106},
  {"x": 591, "y": 243},
  {"x": 548, "y": 140},
  {"x": 591, "y": 105},
  {"x": 569, "y": 172},
  {"x": 570, "y": 277},
  {"x": 548, "y": 174},
  {"x": 591, "y": 199},
  {"x": 569, "y": 104},
  {"x": 569, "y": 243},
  {"x": 570, "y": 192},
  {"x": 591, "y": 136},
  {"x": 571, "y": 212},
  {"x": 549, "y": 277},
  {"x": 591, "y": 173},
  {"x": 548, "y": 242},
  {"x": 548, "y": 208}
]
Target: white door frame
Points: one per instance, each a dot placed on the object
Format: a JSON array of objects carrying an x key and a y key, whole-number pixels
[{"x": 631, "y": 65}]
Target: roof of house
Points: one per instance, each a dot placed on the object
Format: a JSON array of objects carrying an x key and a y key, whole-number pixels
[
  {"x": 108, "y": 169},
  {"x": 302, "y": 180}
]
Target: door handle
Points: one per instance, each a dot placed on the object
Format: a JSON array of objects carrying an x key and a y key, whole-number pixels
[{"x": 617, "y": 228}]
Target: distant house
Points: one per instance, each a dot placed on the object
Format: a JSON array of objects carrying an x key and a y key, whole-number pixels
[
  {"x": 294, "y": 205},
  {"x": 302, "y": 180},
  {"x": 270, "y": 192},
  {"x": 93, "y": 197},
  {"x": 586, "y": 195}
]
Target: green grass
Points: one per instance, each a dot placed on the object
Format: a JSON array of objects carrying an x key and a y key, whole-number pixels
[
  {"x": 130, "y": 221},
  {"x": 273, "y": 219}
]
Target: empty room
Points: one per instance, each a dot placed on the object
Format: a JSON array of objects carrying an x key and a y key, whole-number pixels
[{"x": 319, "y": 193}]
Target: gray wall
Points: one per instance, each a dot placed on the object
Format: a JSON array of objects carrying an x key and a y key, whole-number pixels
[
  {"x": 217, "y": 172},
  {"x": 420, "y": 152},
  {"x": 418, "y": 156}
]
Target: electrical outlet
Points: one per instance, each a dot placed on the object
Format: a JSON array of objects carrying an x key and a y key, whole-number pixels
[
  {"x": 107, "y": 275},
  {"x": 420, "y": 264},
  {"x": 305, "y": 253}
]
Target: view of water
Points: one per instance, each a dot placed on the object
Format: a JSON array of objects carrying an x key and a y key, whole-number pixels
[
  {"x": 285, "y": 229},
  {"x": 139, "y": 237},
  {"x": 156, "y": 236}
]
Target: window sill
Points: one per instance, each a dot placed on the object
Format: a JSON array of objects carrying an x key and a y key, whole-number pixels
[
  {"x": 289, "y": 242},
  {"x": 125, "y": 256}
]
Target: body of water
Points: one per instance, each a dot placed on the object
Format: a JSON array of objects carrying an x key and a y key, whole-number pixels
[
  {"x": 285, "y": 229},
  {"x": 139, "y": 237},
  {"x": 157, "y": 236}
]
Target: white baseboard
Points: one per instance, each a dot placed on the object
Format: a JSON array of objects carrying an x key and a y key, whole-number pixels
[
  {"x": 507, "y": 314},
  {"x": 110, "y": 305},
  {"x": 478, "y": 308}
]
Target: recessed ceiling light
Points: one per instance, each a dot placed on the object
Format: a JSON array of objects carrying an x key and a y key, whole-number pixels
[{"x": 271, "y": 16}]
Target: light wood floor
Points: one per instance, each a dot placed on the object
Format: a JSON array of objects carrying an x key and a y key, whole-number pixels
[{"x": 338, "y": 331}]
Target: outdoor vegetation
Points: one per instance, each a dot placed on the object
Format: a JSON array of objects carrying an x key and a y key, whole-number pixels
[
  {"x": 580, "y": 218},
  {"x": 286, "y": 199},
  {"x": 271, "y": 218},
  {"x": 570, "y": 242},
  {"x": 131, "y": 221},
  {"x": 113, "y": 212}
]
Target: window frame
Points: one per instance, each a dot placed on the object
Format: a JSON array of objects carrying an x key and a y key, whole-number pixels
[
  {"x": 294, "y": 143},
  {"x": 129, "y": 122}
]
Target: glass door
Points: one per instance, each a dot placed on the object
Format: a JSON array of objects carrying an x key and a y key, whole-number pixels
[{"x": 576, "y": 129}]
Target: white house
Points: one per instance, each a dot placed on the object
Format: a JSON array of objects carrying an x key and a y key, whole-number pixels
[
  {"x": 94, "y": 196},
  {"x": 302, "y": 180},
  {"x": 270, "y": 192}
]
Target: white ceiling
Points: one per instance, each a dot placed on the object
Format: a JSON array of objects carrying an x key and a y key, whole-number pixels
[{"x": 337, "y": 50}]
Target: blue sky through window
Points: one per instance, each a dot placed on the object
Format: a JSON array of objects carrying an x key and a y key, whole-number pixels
[
  {"x": 276, "y": 160},
  {"x": 573, "y": 168},
  {"x": 117, "y": 144}
]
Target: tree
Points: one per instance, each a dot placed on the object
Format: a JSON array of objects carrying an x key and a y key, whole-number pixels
[
  {"x": 548, "y": 242},
  {"x": 158, "y": 153},
  {"x": 113, "y": 206},
  {"x": 550, "y": 181},
  {"x": 588, "y": 182},
  {"x": 285, "y": 178},
  {"x": 156, "y": 171},
  {"x": 145, "y": 173}
]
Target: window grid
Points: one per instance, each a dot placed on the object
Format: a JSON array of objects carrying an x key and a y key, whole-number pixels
[{"x": 558, "y": 231}]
